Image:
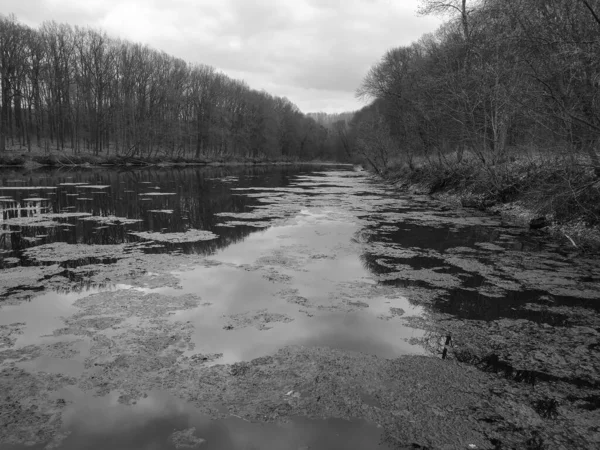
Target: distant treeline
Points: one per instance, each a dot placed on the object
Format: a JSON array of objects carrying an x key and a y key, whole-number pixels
[
  {"x": 71, "y": 88},
  {"x": 499, "y": 76}
]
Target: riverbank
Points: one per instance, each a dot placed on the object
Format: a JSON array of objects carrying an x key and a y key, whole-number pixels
[
  {"x": 38, "y": 158},
  {"x": 556, "y": 194}
]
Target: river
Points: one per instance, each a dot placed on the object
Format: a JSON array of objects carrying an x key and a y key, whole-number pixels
[{"x": 173, "y": 307}]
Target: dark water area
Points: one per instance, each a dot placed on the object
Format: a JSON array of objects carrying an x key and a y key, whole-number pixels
[
  {"x": 222, "y": 265},
  {"x": 162, "y": 200}
]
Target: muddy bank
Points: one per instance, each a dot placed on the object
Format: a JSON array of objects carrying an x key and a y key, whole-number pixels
[{"x": 551, "y": 198}]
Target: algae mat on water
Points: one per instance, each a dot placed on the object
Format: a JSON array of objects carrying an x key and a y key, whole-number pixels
[{"x": 343, "y": 276}]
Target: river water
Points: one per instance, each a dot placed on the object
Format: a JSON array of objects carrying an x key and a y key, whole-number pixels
[{"x": 233, "y": 264}]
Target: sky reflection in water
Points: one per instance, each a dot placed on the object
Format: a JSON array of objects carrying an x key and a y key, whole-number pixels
[{"x": 311, "y": 252}]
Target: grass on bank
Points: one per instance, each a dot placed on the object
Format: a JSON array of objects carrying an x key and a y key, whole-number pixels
[
  {"x": 20, "y": 157},
  {"x": 562, "y": 188}
]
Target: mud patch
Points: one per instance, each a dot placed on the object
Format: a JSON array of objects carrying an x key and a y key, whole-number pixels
[
  {"x": 133, "y": 360},
  {"x": 60, "y": 252},
  {"x": 292, "y": 296},
  {"x": 431, "y": 277},
  {"x": 35, "y": 221},
  {"x": 136, "y": 269},
  {"x": 241, "y": 223},
  {"x": 202, "y": 358},
  {"x": 92, "y": 186},
  {"x": 177, "y": 238},
  {"x": 61, "y": 350},
  {"x": 255, "y": 215},
  {"x": 22, "y": 283},
  {"x": 131, "y": 339},
  {"x": 489, "y": 246},
  {"x": 186, "y": 439},
  {"x": 111, "y": 220},
  {"x": 106, "y": 319},
  {"x": 282, "y": 258},
  {"x": 10, "y": 333},
  {"x": 274, "y": 276},
  {"x": 545, "y": 364},
  {"x": 261, "y": 320},
  {"x": 29, "y": 412},
  {"x": 394, "y": 312},
  {"x": 132, "y": 268},
  {"x": 516, "y": 270},
  {"x": 130, "y": 302},
  {"x": 451, "y": 404}
]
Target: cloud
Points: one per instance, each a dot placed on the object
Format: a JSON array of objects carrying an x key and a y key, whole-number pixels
[{"x": 314, "y": 52}]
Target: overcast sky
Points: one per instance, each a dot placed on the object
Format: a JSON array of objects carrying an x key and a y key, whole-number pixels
[{"x": 314, "y": 52}]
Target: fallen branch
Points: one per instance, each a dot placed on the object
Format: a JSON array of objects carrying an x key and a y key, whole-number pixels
[{"x": 570, "y": 239}]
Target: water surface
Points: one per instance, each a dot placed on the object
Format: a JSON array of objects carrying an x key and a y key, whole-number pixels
[{"x": 235, "y": 264}]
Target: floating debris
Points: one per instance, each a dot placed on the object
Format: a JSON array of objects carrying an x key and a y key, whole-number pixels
[
  {"x": 429, "y": 276},
  {"x": 61, "y": 252},
  {"x": 489, "y": 246},
  {"x": 106, "y": 309},
  {"x": 394, "y": 312},
  {"x": 176, "y": 238},
  {"x": 32, "y": 221},
  {"x": 241, "y": 223},
  {"x": 111, "y": 220},
  {"x": 258, "y": 319},
  {"x": 26, "y": 188},
  {"x": 29, "y": 411},
  {"x": 10, "y": 260},
  {"x": 292, "y": 296},
  {"x": 66, "y": 215},
  {"x": 10, "y": 333},
  {"x": 93, "y": 186},
  {"x": 31, "y": 239},
  {"x": 201, "y": 358},
  {"x": 186, "y": 439},
  {"x": 60, "y": 350},
  {"x": 255, "y": 215}
]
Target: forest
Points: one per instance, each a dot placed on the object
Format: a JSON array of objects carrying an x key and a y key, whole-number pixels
[
  {"x": 499, "y": 75},
  {"x": 76, "y": 91},
  {"x": 502, "y": 101}
]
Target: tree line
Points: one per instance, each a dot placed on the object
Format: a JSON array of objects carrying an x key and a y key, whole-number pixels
[
  {"x": 498, "y": 76},
  {"x": 70, "y": 88}
]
